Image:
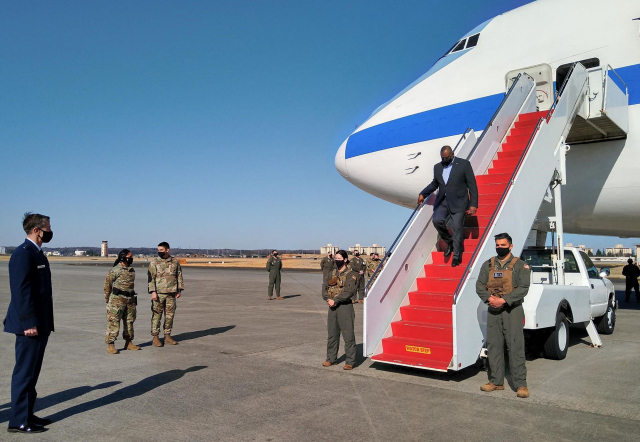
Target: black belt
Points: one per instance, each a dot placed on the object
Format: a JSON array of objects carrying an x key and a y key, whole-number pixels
[{"x": 117, "y": 291}]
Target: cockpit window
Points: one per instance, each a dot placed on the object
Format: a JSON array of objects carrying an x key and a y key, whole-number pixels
[
  {"x": 473, "y": 40},
  {"x": 465, "y": 43},
  {"x": 459, "y": 46}
]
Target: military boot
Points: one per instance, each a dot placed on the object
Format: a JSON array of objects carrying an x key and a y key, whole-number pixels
[
  {"x": 111, "y": 349},
  {"x": 522, "y": 392},
  {"x": 128, "y": 345},
  {"x": 156, "y": 341},
  {"x": 169, "y": 340},
  {"x": 491, "y": 387}
]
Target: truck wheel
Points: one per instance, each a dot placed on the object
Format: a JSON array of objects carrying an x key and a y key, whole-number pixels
[
  {"x": 607, "y": 322},
  {"x": 557, "y": 343}
]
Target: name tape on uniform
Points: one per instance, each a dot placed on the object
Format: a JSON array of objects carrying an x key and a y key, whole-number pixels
[{"x": 415, "y": 349}]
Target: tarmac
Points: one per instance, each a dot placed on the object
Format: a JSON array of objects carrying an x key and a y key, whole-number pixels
[{"x": 248, "y": 369}]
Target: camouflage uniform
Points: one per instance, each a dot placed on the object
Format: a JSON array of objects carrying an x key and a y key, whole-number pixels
[
  {"x": 121, "y": 302},
  {"x": 372, "y": 265},
  {"x": 274, "y": 265},
  {"x": 165, "y": 278},
  {"x": 341, "y": 286},
  {"x": 358, "y": 265},
  {"x": 326, "y": 265}
]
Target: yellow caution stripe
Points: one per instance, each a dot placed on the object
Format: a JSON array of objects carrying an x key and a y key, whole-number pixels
[{"x": 415, "y": 349}]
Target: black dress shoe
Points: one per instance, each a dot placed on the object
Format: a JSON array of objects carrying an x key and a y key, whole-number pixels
[
  {"x": 456, "y": 262},
  {"x": 27, "y": 429},
  {"x": 40, "y": 421},
  {"x": 449, "y": 250}
]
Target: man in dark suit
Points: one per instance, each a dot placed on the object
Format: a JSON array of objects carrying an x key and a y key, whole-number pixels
[
  {"x": 30, "y": 318},
  {"x": 457, "y": 194}
]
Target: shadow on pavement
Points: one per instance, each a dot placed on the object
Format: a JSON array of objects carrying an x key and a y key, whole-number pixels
[
  {"x": 135, "y": 390},
  {"x": 196, "y": 334},
  {"x": 58, "y": 398},
  {"x": 633, "y": 304},
  {"x": 290, "y": 296}
]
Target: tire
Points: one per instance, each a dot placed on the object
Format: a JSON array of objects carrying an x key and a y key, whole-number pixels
[
  {"x": 607, "y": 322},
  {"x": 557, "y": 343}
]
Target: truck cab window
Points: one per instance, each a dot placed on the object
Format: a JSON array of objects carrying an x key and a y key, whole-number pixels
[
  {"x": 592, "y": 270},
  {"x": 570, "y": 264}
]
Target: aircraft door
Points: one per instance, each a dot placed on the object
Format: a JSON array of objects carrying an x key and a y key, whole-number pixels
[{"x": 543, "y": 76}]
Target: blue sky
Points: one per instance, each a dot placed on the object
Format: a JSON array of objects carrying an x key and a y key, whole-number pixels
[{"x": 206, "y": 123}]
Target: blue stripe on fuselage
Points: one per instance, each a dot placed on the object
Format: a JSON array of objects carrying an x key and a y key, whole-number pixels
[
  {"x": 429, "y": 125},
  {"x": 451, "y": 120},
  {"x": 631, "y": 76}
]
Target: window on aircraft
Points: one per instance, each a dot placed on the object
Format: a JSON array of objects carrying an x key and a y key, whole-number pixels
[
  {"x": 473, "y": 41},
  {"x": 563, "y": 70},
  {"x": 459, "y": 46}
]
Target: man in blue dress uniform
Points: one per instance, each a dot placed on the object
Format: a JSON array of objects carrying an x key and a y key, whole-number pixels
[{"x": 30, "y": 318}]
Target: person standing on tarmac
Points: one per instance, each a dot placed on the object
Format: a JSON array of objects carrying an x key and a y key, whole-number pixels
[
  {"x": 502, "y": 285},
  {"x": 372, "y": 265},
  {"x": 165, "y": 286},
  {"x": 358, "y": 265},
  {"x": 631, "y": 273},
  {"x": 121, "y": 301},
  {"x": 326, "y": 265},
  {"x": 338, "y": 291},
  {"x": 274, "y": 267}
]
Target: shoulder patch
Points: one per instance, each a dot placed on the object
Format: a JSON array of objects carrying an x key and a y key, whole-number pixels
[
  {"x": 526, "y": 266},
  {"x": 354, "y": 278}
]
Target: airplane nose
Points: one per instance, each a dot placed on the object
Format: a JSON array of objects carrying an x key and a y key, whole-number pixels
[{"x": 341, "y": 161}]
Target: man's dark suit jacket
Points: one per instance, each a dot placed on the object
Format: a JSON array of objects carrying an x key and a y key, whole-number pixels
[
  {"x": 31, "y": 294},
  {"x": 461, "y": 189}
]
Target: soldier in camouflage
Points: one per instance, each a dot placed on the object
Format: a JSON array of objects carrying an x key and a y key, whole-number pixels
[
  {"x": 358, "y": 265},
  {"x": 121, "y": 302},
  {"x": 165, "y": 286},
  {"x": 339, "y": 288},
  {"x": 372, "y": 265},
  {"x": 274, "y": 267}
]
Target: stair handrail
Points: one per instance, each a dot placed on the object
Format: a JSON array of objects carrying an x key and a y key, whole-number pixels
[
  {"x": 497, "y": 112},
  {"x": 610, "y": 68},
  {"x": 476, "y": 252},
  {"x": 404, "y": 228},
  {"x": 393, "y": 245},
  {"x": 559, "y": 94},
  {"x": 462, "y": 138}
]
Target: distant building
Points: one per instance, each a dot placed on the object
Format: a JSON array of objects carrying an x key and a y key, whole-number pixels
[
  {"x": 80, "y": 252},
  {"x": 3, "y": 250},
  {"x": 329, "y": 248},
  {"x": 618, "y": 250},
  {"x": 104, "y": 249},
  {"x": 581, "y": 247},
  {"x": 637, "y": 250},
  {"x": 368, "y": 250}
]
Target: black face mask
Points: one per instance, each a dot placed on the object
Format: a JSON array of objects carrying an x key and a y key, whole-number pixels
[
  {"x": 161, "y": 254},
  {"x": 446, "y": 161},
  {"x": 275, "y": 254},
  {"x": 502, "y": 251},
  {"x": 357, "y": 255},
  {"x": 128, "y": 261},
  {"x": 46, "y": 236},
  {"x": 339, "y": 263}
]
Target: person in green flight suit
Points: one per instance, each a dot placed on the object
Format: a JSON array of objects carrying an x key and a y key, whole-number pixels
[
  {"x": 326, "y": 265},
  {"x": 359, "y": 266},
  {"x": 502, "y": 284},
  {"x": 274, "y": 267},
  {"x": 338, "y": 291}
]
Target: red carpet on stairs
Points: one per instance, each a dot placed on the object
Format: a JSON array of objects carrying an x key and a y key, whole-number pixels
[{"x": 424, "y": 336}]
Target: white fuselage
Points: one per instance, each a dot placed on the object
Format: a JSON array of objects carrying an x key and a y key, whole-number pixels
[{"x": 464, "y": 88}]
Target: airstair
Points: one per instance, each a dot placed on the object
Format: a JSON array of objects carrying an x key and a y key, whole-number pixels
[{"x": 422, "y": 312}]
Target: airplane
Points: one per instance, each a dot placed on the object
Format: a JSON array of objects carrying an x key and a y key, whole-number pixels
[{"x": 391, "y": 155}]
